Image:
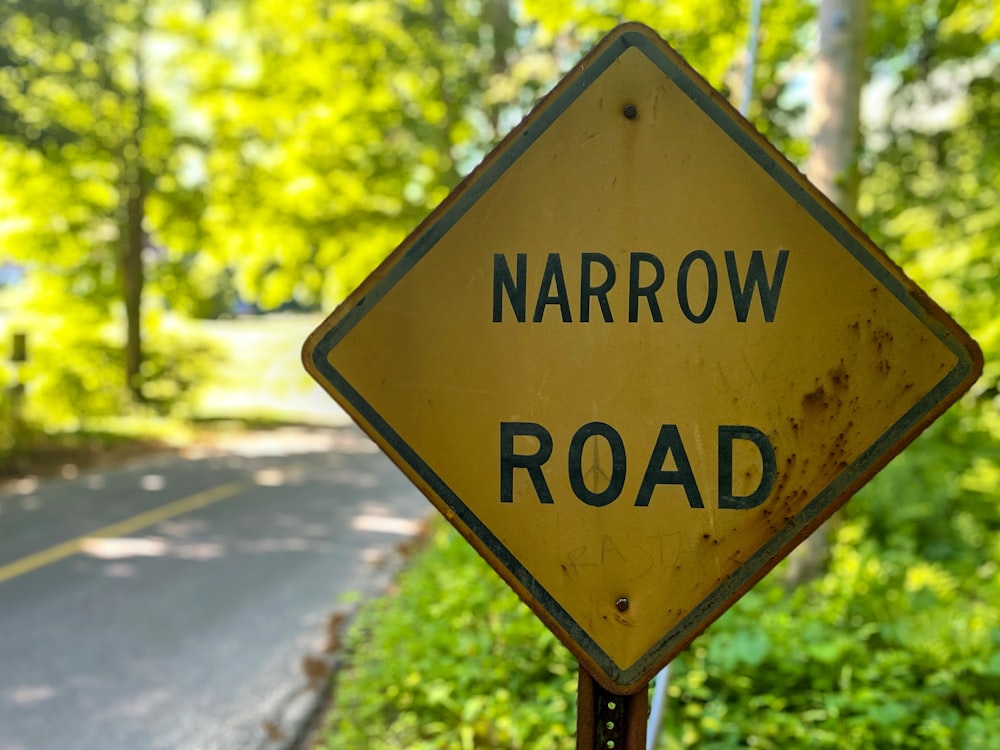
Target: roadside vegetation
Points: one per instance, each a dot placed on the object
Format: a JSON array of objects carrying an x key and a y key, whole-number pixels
[
  {"x": 896, "y": 644},
  {"x": 452, "y": 659},
  {"x": 214, "y": 374}
]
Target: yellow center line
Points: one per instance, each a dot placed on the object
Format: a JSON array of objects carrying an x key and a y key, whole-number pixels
[{"x": 121, "y": 528}]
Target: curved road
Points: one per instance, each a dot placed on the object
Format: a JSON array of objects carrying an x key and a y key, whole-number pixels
[{"x": 169, "y": 603}]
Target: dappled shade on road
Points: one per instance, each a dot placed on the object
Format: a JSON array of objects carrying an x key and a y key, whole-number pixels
[{"x": 187, "y": 630}]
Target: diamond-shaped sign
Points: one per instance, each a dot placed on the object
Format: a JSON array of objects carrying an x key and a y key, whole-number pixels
[{"x": 635, "y": 358}]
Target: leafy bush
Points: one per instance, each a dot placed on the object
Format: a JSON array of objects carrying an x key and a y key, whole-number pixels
[
  {"x": 886, "y": 650},
  {"x": 75, "y": 369},
  {"x": 176, "y": 363},
  {"x": 73, "y": 373},
  {"x": 453, "y": 660},
  {"x": 896, "y": 645}
]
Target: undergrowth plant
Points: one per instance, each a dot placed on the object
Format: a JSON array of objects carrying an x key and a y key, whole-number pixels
[
  {"x": 452, "y": 659},
  {"x": 896, "y": 645}
]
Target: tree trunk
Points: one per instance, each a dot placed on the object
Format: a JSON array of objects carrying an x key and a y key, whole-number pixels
[
  {"x": 835, "y": 111},
  {"x": 133, "y": 279},
  {"x": 504, "y": 29},
  {"x": 835, "y": 124},
  {"x": 133, "y": 237}
]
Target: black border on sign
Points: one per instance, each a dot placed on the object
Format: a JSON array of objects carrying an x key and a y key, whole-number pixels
[{"x": 423, "y": 240}]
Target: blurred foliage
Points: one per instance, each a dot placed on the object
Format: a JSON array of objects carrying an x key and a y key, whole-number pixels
[
  {"x": 72, "y": 353},
  {"x": 335, "y": 128},
  {"x": 454, "y": 660},
  {"x": 932, "y": 195},
  {"x": 886, "y": 649},
  {"x": 84, "y": 136}
]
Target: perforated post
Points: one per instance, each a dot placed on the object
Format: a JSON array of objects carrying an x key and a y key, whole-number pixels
[{"x": 607, "y": 721}]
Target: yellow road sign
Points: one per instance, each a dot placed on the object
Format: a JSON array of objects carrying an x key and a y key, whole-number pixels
[{"x": 635, "y": 358}]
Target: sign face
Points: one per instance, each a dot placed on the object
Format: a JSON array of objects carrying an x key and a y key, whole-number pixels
[{"x": 635, "y": 358}]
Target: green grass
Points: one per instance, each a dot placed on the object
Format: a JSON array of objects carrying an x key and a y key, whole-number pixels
[
  {"x": 885, "y": 649},
  {"x": 452, "y": 660},
  {"x": 252, "y": 376},
  {"x": 259, "y": 375}
]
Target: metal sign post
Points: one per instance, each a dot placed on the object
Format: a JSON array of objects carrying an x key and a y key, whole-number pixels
[
  {"x": 19, "y": 349},
  {"x": 608, "y": 721},
  {"x": 19, "y": 355}
]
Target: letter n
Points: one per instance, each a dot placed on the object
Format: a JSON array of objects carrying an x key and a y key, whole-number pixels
[{"x": 503, "y": 281}]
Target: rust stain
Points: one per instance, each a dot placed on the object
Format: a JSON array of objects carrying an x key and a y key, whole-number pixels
[
  {"x": 839, "y": 377},
  {"x": 815, "y": 399},
  {"x": 881, "y": 338}
]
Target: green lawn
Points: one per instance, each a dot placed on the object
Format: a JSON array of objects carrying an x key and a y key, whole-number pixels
[
  {"x": 259, "y": 375},
  {"x": 252, "y": 375}
]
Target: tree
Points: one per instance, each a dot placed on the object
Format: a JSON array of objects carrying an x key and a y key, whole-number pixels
[
  {"x": 710, "y": 36},
  {"x": 930, "y": 197},
  {"x": 835, "y": 128},
  {"x": 336, "y": 128},
  {"x": 79, "y": 121},
  {"x": 835, "y": 112}
]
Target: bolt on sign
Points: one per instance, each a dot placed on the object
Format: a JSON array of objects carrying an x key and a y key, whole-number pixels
[{"x": 635, "y": 358}]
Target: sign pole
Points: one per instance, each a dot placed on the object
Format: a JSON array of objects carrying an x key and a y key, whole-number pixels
[
  {"x": 18, "y": 357},
  {"x": 607, "y": 721}
]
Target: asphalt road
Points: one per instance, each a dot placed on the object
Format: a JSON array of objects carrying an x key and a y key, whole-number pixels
[{"x": 169, "y": 603}]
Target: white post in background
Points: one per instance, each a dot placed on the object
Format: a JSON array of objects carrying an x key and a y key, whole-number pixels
[
  {"x": 658, "y": 706},
  {"x": 752, "y": 43},
  {"x": 835, "y": 126},
  {"x": 835, "y": 104}
]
